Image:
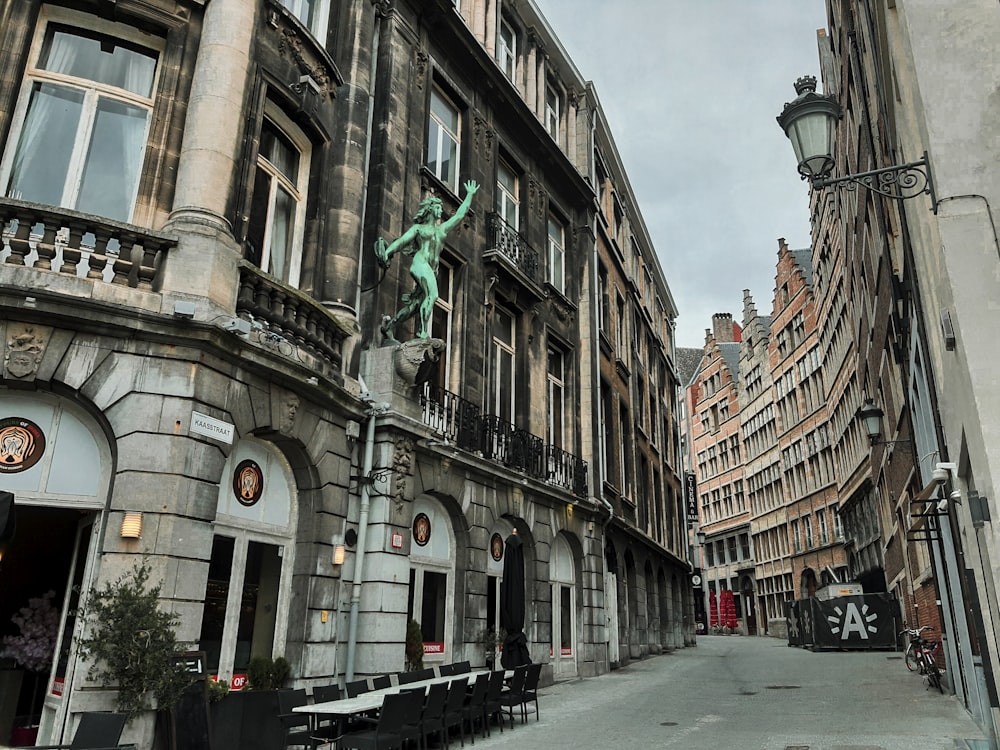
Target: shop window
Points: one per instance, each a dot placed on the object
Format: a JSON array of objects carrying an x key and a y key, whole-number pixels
[{"x": 82, "y": 123}]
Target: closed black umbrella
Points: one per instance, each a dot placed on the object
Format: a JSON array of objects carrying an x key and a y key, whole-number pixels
[{"x": 515, "y": 645}]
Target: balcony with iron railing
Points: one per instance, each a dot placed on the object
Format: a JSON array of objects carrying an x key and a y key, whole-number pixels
[
  {"x": 463, "y": 424},
  {"x": 511, "y": 251}
]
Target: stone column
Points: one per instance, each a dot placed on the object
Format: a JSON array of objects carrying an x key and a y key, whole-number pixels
[
  {"x": 492, "y": 23},
  {"x": 541, "y": 85},
  {"x": 204, "y": 263},
  {"x": 531, "y": 74}
]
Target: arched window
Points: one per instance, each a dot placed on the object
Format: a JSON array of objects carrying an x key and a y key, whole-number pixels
[{"x": 563, "y": 577}]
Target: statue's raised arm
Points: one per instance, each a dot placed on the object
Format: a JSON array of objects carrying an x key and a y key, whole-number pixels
[{"x": 470, "y": 190}]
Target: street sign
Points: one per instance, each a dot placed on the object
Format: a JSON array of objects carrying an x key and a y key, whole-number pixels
[
  {"x": 691, "y": 497},
  {"x": 202, "y": 424}
]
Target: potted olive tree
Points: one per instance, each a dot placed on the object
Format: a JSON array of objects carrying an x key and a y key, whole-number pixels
[{"x": 131, "y": 643}]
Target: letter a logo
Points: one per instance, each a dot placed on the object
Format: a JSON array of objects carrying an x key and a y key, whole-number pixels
[{"x": 853, "y": 621}]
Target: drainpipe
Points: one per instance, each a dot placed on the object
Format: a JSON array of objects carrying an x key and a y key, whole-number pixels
[{"x": 359, "y": 558}]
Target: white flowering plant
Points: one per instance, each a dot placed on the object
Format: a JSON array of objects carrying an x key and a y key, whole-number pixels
[{"x": 34, "y": 647}]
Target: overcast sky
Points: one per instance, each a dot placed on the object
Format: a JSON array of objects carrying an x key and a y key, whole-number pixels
[{"x": 691, "y": 89}]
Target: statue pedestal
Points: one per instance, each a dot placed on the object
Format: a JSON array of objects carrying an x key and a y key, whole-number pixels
[{"x": 397, "y": 373}]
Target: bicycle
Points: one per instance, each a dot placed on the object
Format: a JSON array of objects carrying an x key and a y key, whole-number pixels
[{"x": 921, "y": 656}]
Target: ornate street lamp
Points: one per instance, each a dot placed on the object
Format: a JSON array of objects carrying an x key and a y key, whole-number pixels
[
  {"x": 810, "y": 122},
  {"x": 871, "y": 417}
]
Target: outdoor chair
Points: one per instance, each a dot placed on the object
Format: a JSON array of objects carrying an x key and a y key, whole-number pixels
[
  {"x": 96, "y": 731},
  {"x": 412, "y": 712},
  {"x": 475, "y": 702},
  {"x": 454, "y": 711},
  {"x": 405, "y": 678},
  {"x": 446, "y": 670},
  {"x": 492, "y": 706},
  {"x": 356, "y": 688},
  {"x": 432, "y": 718},
  {"x": 326, "y": 729},
  {"x": 530, "y": 692},
  {"x": 387, "y": 732},
  {"x": 462, "y": 667},
  {"x": 296, "y": 728},
  {"x": 381, "y": 682},
  {"x": 513, "y": 696}
]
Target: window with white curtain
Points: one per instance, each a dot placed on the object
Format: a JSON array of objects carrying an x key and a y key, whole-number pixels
[
  {"x": 507, "y": 189},
  {"x": 507, "y": 49},
  {"x": 277, "y": 208},
  {"x": 82, "y": 119},
  {"x": 557, "y": 254},
  {"x": 443, "y": 139},
  {"x": 314, "y": 15}
]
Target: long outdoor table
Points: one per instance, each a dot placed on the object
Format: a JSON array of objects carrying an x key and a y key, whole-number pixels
[{"x": 372, "y": 700}]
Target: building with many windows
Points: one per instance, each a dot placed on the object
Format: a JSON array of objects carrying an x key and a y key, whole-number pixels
[{"x": 198, "y": 338}]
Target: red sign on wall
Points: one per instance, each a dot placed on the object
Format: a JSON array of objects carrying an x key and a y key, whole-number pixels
[{"x": 433, "y": 648}]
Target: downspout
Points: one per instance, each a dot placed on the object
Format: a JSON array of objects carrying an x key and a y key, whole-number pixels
[
  {"x": 359, "y": 559},
  {"x": 365, "y": 176}
]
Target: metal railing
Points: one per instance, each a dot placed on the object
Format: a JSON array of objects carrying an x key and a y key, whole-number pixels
[
  {"x": 508, "y": 242},
  {"x": 463, "y": 424}
]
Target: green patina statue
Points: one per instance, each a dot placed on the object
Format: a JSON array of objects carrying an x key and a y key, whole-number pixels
[{"x": 423, "y": 241}]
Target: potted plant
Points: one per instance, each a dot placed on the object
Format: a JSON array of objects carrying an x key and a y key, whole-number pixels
[
  {"x": 489, "y": 640},
  {"x": 31, "y": 651},
  {"x": 248, "y": 718},
  {"x": 414, "y": 647},
  {"x": 131, "y": 643}
]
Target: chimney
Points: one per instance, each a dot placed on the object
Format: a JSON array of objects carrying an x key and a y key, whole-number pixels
[{"x": 722, "y": 328}]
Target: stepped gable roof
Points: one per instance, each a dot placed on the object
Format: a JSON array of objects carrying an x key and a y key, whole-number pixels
[
  {"x": 803, "y": 258},
  {"x": 688, "y": 361},
  {"x": 731, "y": 354}
]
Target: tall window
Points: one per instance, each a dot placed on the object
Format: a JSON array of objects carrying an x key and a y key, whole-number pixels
[
  {"x": 507, "y": 49},
  {"x": 507, "y": 202},
  {"x": 277, "y": 215},
  {"x": 808, "y": 529},
  {"x": 441, "y": 320},
  {"x": 443, "y": 139},
  {"x": 82, "y": 122},
  {"x": 556, "y": 394},
  {"x": 312, "y": 13},
  {"x": 557, "y": 254},
  {"x": 824, "y": 534},
  {"x": 552, "y": 110},
  {"x": 503, "y": 365}
]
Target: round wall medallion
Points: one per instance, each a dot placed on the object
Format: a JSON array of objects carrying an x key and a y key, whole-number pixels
[
  {"x": 421, "y": 529},
  {"x": 22, "y": 444},
  {"x": 496, "y": 547},
  {"x": 248, "y": 482}
]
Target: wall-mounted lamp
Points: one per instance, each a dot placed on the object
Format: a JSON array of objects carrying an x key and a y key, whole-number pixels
[
  {"x": 132, "y": 525},
  {"x": 810, "y": 122},
  {"x": 871, "y": 417},
  {"x": 184, "y": 309},
  {"x": 700, "y": 538},
  {"x": 339, "y": 550}
]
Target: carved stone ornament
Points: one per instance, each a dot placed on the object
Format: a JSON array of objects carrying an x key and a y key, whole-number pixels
[
  {"x": 402, "y": 459},
  {"x": 286, "y": 417},
  {"x": 411, "y": 356},
  {"x": 420, "y": 60},
  {"x": 382, "y": 8},
  {"x": 291, "y": 44},
  {"x": 25, "y": 347}
]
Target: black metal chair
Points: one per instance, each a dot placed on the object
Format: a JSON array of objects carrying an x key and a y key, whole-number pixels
[
  {"x": 381, "y": 682},
  {"x": 96, "y": 731},
  {"x": 411, "y": 716},
  {"x": 530, "y": 692},
  {"x": 405, "y": 678},
  {"x": 462, "y": 667},
  {"x": 387, "y": 732},
  {"x": 356, "y": 688},
  {"x": 474, "y": 703},
  {"x": 446, "y": 670},
  {"x": 326, "y": 729},
  {"x": 296, "y": 728},
  {"x": 513, "y": 696},
  {"x": 454, "y": 711},
  {"x": 432, "y": 718},
  {"x": 492, "y": 706}
]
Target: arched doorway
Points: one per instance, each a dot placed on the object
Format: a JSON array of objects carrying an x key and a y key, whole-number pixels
[
  {"x": 563, "y": 576},
  {"x": 749, "y": 604},
  {"x": 808, "y": 584},
  {"x": 431, "y": 599},
  {"x": 58, "y": 464},
  {"x": 253, "y": 554}
]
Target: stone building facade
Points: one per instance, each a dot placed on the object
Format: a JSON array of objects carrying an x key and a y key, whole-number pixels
[{"x": 191, "y": 321}]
